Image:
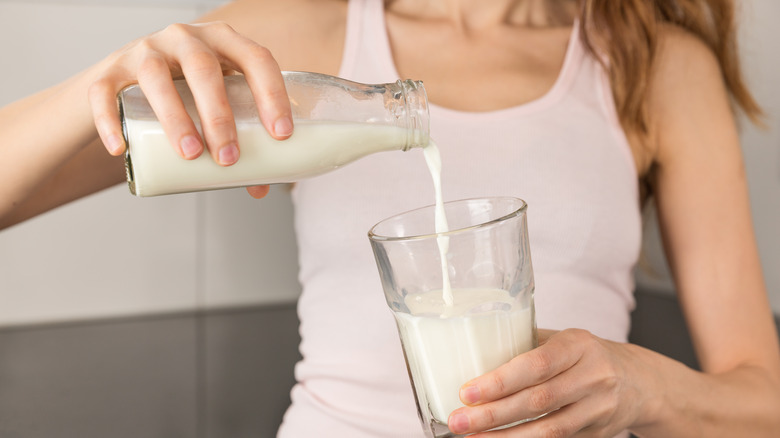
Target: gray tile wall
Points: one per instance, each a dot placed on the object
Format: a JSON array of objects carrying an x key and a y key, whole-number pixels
[{"x": 205, "y": 375}]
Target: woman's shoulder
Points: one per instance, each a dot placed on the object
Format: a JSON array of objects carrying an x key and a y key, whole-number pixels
[
  {"x": 686, "y": 87},
  {"x": 301, "y": 34},
  {"x": 679, "y": 50}
]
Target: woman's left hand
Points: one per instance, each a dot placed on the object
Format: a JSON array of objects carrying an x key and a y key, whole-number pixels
[{"x": 588, "y": 386}]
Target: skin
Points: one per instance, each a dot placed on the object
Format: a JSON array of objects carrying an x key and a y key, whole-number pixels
[{"x": 591, "y": 387}]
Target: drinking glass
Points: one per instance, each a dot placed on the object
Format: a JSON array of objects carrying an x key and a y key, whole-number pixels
[{"x": 485, "y": 317}]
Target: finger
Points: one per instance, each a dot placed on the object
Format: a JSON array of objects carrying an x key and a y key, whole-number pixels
[
  {"x": 264, "y": 78},
  {"x": 203, "y": 73},
  {"x": 267, "y": 84},
  {"x": 154, "y": 78},
  {"x": 564, "y": 389},
  {"x": 569, "y": 421},
  {"x": 557, "y": 355},
  {"x": 102, "y": 100},
  {"x": 258, "y": 192}
]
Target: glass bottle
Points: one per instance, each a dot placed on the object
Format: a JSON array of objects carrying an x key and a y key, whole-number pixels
[{"x": 336, "y": 122}]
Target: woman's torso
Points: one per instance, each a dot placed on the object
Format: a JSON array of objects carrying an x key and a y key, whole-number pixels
[{"x": 562, "y": 151}]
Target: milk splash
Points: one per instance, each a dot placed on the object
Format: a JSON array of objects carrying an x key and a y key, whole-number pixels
[{"x": 433, "y": 160}]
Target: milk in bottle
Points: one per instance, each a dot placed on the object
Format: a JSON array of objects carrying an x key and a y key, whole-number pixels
[{"x": 336, "y": 122}]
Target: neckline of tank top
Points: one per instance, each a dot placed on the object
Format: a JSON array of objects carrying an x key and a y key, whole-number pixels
[{"x": 571, "y": 62}]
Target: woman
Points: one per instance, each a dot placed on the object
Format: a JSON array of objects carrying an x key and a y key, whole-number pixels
[{"x": 581, "y": 108}]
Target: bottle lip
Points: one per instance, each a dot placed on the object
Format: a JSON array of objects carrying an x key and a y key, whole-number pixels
[{"x": 417, "y": 113}]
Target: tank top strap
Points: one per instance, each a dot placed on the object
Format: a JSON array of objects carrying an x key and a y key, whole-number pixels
[
  {"x": 354, "y": 31},
  {"x": 367, "y": 55}
]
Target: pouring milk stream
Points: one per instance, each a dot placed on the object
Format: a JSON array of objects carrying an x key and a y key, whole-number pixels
[{"x": 433, "y": 160}]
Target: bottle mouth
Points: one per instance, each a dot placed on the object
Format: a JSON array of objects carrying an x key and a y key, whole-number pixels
[{"x": 417, "y": 116}]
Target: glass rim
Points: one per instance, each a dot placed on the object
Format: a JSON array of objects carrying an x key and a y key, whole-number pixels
[{"x": 374, "y": 236}]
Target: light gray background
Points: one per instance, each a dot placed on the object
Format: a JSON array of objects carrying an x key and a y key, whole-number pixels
[{"x": 114, "y": 255}]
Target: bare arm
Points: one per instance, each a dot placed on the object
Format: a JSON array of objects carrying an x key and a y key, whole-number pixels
[
  {"x": 51, "y": 152},
  {"x": 704, "y": 214},
  {"x": 48, "y": 139}
]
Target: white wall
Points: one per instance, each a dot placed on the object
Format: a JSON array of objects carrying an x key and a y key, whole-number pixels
[{"x": 112, "y": 254}]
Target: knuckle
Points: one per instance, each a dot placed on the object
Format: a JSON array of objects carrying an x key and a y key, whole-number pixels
[
  {"x": 579, "y": 335},
  {"x": 610, "y": 382},
  {"x": 261, "y": 58},
  {"x": 201, "y": 62},
  {"x": 274, "y": 109},
  {"x": 498, "y": 384},
  {"x": 100, "y": 88},
  {"x": 260, "y": 53},
  {"x": 144, "y": 45},
  {"x": 488, "y": 417},
  {"x": 541, "y": 363},
  {"x": 178, "y": 30},
  {"x": 276, "y": 96},
  {"x": 583, "y": 339},
  {"x": 151, "y": 66},
  {"x": 221, "y": 122},
  {"x": 611, "y": 406},
  {"x": 222, "y": 26},
  {"x": 171, "y": 117},
  {"x": 541, "y": 399},
  {"x": 552, "y": 430}
]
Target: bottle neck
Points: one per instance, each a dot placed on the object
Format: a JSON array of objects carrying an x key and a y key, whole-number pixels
[{"x": 412, "y": 112}]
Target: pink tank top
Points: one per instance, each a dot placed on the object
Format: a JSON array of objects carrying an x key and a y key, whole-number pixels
[{"x": 564, "y": 153}]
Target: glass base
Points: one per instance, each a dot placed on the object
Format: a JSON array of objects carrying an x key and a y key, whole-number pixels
[{"x": 436, "y": 429}]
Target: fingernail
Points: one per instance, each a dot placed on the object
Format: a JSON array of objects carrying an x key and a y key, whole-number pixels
[
  {"x": 283, "y": 127},
  {"x": 115, "y": 144},
  {"x": 228, "y": 154},
  {"x": 469, "y": 394},
  {"x": 459, "y": 423},
  {"x": 190, "y": 146}
]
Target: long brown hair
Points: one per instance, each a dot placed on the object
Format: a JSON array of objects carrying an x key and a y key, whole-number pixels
[{"x": 630, "y": 30}]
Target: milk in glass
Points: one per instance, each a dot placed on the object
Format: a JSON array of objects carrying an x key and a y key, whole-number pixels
[{"x": 448, "y": 345}]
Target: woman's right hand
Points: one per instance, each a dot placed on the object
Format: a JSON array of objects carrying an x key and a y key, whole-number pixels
[{"x": 201, "y": 53}]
